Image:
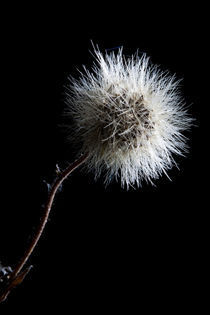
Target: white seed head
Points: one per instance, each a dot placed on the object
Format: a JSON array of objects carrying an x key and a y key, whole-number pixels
[{"x": 129, "y": 117}]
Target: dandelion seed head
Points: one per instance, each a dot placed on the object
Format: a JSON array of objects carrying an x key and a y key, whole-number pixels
[{"x": 129, "y": 117}]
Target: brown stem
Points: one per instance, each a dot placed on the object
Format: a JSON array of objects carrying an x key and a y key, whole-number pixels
[{"x": 17, "y": 276}]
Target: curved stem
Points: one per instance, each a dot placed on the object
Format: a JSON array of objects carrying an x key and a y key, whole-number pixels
[{"x": 14, "y": 278}]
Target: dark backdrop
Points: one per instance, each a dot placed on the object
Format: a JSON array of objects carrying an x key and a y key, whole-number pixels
[{"x": 104, "y": 249}]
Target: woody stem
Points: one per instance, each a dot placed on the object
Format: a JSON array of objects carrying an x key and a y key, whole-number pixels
[{"x": 59, "y": 180}]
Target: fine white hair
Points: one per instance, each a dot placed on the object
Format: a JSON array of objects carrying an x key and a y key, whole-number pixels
[{"x": 129, "y": 117}]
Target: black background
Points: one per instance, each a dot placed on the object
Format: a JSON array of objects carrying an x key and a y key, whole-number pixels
[{"x": 104, "y": 249}]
